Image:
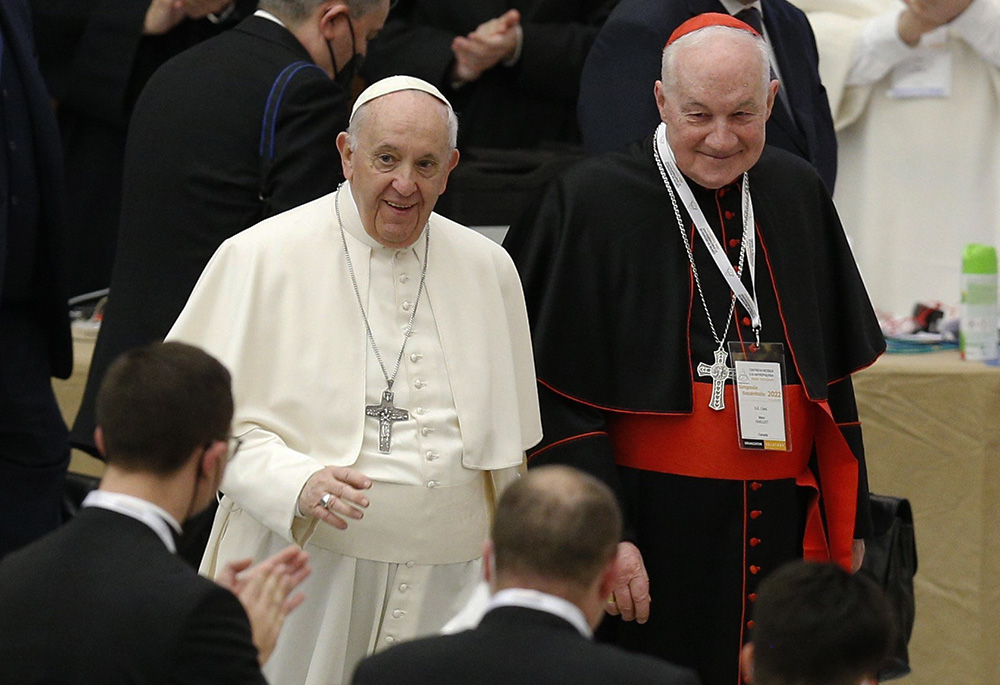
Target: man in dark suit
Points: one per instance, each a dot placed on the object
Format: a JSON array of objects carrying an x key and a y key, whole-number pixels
[
  {"x": 510, "y": 67},
  {"x": 104, "y": 599},
  {"x": 34, "y": 321},
  {"x": 95, "y": 56},
  {"x": 236, "y": 129},
  {"x": 616, "y": 103},
  {"x": 816, "y": 624},
  {"x": 551, "y": 564}
]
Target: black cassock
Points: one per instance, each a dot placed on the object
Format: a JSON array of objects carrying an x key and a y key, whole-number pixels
[{"x": 618, "y": 331}]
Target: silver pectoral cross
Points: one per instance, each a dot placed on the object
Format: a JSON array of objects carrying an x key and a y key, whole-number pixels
[
  {"x": 719, "y": 373},
  {"x": 387, "y": 414}
]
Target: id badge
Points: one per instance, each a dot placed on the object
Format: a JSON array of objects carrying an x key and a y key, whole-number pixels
[{"x": 761, "y": 411}]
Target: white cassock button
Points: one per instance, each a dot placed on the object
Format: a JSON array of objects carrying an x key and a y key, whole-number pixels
[
  {"x": 400, "y": 254},
  {"x": 426, "y": 430},
  {"x": 390, "y": 639},
  {"x": 410, "y": 564},
  {"x": 398, "y": 614},
  {"x": 431, "y": 456},
  {"x": 418, "y": 384},
  {"x": 420, "y": 411},
  {"x": 432, "y": 483},
  {"x": 404, "y": 587},
  {"x": 414, "y": 357},
  {"x": 407, "y": 305},
  {"x": 403, "y": 278}
]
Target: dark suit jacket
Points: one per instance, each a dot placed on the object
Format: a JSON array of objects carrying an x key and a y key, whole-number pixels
[
  {"x": 101, "y": 600},
  {"x": 517, "y": 646},
  {"x": 508, "y": 107},
  {"x": 617, "y": 105},
  {"x": 95, "y": 60},
  {"x": 48, "y": 297},
  {"x": 198, "y": 161}
]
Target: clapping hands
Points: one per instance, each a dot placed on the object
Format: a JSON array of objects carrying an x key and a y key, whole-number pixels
[
  {"x": 492, "y": 42},
  {"x": 265, "y": 591}
]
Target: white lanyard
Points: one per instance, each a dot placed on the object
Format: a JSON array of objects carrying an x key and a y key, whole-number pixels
[{"x": 704, "y": 230}]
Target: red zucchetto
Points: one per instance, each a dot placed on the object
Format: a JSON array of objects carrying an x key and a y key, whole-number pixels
[{"x": 709, "y": 19}]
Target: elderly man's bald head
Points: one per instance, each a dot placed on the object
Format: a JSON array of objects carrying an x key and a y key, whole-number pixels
[{"x": 712, "y": 38}]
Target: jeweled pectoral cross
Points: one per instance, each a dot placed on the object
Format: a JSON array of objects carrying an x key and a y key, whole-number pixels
[
  {"x": 387, "y": 414},
  {"x": 719, "y": 373}
]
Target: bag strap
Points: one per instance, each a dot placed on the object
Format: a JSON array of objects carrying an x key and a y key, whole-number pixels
[{"x": 269, "y": 123}]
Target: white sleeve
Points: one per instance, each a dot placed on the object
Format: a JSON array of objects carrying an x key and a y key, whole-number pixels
[
  {"x": 223, "y": 316},
  {"x": 878, "y": 50}
]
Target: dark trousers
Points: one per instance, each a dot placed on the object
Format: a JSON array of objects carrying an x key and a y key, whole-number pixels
[{"x": 34, "y": 443}]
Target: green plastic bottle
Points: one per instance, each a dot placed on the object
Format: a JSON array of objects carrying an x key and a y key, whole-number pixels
[{"x": 978, "y": 335}]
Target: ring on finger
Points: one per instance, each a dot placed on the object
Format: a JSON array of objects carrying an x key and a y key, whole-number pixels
[{"x": 326, "y": 500}]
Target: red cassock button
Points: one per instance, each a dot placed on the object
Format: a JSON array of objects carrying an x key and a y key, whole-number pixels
[
  {"x": 756, "y": 486},
  {"x": 734, "y": 242},
  {"x": 729, "y": 215},
  {"x": 752, "y": 596},
  {"x": 754, "y": 542},
  {"x": 750, "y": 625},
  {"x": 755, "y": 570},
  {"x": 746, "y": 321},
  {"x": 755, "y": 513}
]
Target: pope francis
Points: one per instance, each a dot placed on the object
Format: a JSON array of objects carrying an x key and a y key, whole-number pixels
[{"x": 383, "y": 377}]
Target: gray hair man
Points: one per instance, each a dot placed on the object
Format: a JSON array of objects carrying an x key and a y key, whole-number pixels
[
  {"x": 696, "y": 316},
  {"x": 383, "y": 374},
  {"x": 239, "y": 128}
]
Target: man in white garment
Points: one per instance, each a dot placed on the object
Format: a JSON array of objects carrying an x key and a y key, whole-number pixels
[
  {"x": 915, "y": 94},
  {"x": 381, "y": 361}
]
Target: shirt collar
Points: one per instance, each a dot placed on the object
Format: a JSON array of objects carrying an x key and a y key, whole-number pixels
[
  {"x": 541, "y": 601},
  {"x": 142, "y": 510},
  {"x": 264, "y": 14},
  {"x": 735, "y": 6}
]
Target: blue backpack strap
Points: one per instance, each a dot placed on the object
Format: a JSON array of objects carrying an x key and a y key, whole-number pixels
[{"x": 270, "y": 122}]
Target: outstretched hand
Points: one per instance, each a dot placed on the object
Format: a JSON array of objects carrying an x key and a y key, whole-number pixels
[
  {"x": 265, "y": 591},
  {"x": 631, "y": 597}
]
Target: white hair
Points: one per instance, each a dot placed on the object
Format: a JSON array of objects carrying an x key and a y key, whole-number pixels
[
  {"x": 668, "y": 73},
  {"x": 357, "y": 122},
  {"x": 297, "y": 11}
]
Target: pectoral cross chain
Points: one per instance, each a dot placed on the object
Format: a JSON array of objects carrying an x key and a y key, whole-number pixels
[
  {"x": 387, "y": 414},
  {"x": 719, "y": 373}
]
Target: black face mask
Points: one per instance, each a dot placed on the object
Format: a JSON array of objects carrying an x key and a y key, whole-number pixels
[{"x": 345, "y": 74}]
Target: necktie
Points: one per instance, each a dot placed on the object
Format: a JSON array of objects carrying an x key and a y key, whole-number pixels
[{"x": 751, "y": 16}]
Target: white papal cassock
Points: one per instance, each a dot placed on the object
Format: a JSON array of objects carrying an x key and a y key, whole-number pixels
[{"x": 276, "y": 306}]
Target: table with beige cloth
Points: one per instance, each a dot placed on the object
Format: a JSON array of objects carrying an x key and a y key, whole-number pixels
[
  {"x": 69, "y": 394},
  {"x": 932, "y": 434}
]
